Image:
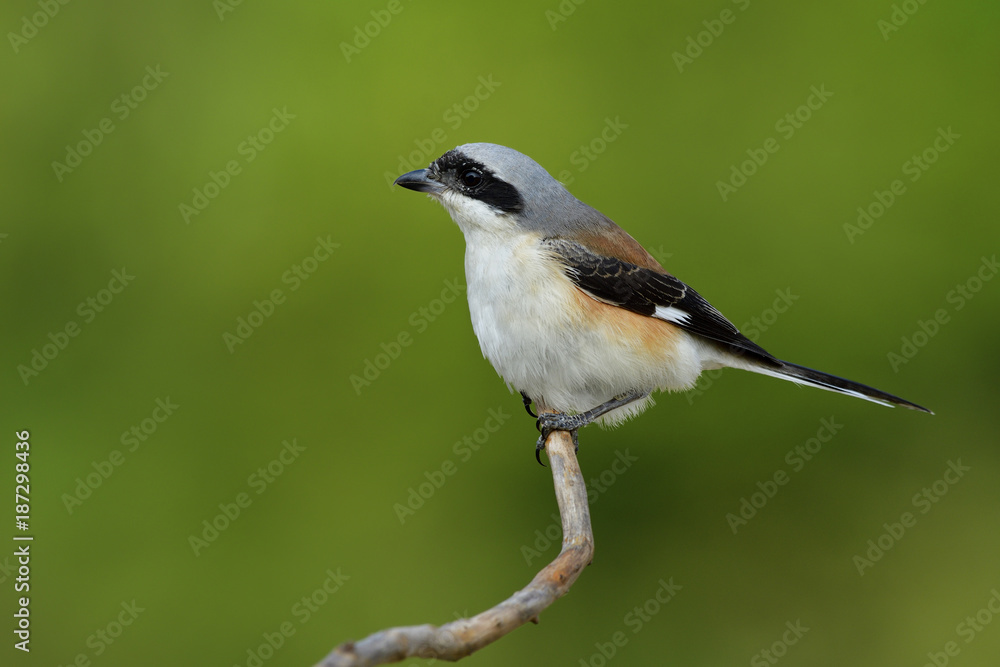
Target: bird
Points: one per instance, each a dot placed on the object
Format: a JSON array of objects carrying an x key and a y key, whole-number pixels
[{"x": 571, "y": 311}]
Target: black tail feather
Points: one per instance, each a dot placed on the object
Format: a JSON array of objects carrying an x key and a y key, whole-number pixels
[{"x": 814, "y": 378}]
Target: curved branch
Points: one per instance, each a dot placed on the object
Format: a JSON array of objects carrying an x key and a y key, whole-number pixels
[{"x": 463, "y": 637}]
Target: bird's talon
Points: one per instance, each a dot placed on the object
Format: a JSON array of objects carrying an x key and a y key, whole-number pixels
[
  {"x": 527, "y": 404},
  {"x": 538, "y": 451}
]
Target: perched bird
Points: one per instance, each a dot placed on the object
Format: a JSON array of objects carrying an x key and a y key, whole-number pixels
[{"x": 571, "y": 311}]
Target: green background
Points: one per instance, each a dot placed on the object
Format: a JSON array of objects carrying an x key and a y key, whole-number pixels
[{"x": 357, "y": 117}]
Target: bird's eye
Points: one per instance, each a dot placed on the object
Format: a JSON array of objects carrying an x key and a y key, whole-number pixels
[{"x": 471, "y": 177}]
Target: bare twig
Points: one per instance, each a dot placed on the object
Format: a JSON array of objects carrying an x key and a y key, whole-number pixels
[{"x": 463, "y": 637}]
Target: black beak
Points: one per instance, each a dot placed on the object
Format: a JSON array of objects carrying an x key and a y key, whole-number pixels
[{"x": 418, "y": 180}]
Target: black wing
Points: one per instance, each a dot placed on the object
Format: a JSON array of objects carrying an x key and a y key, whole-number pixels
[{"x": 651, "y": 293}]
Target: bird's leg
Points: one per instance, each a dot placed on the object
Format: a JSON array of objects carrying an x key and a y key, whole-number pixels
[
  {"x": 558, "y": 421},
  {"x": 527, "y": 404}
]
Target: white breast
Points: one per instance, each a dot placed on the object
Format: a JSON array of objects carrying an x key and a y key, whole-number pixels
[{"x": 515, "y": 305}]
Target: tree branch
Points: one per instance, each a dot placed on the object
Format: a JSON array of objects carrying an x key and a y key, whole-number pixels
[{"x": 463, "y": 637}]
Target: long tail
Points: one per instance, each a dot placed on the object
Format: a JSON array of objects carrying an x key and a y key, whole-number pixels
[{"x": 807, "y": 376}]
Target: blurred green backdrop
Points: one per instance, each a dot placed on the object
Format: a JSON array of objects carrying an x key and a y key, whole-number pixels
[{"x": 199, "y": 249}]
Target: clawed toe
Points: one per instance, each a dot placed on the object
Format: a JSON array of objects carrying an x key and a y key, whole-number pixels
[{"x": 527, "y": 404}]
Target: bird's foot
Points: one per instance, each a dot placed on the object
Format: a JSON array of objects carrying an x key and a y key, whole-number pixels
[{"x": 558, "y": 421}]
